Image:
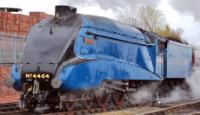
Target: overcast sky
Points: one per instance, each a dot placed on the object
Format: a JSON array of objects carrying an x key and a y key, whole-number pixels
[{"x": 178, "y": 13}]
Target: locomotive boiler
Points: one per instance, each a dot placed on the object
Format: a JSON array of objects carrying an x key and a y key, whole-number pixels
[{"x": 72, "y": 58}]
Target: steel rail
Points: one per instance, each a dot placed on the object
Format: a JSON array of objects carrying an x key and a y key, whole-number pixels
[
  {"x": 186, "y": 108},
  {"x": 189, "y": 108}
]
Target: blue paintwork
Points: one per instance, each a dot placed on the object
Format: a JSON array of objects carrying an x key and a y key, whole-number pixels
[
  {"x": 179, "y": 60},
  {"x": 121, "y": 53},
  {"x": 108, "y": 27},
  {"x": 16, "y": 76},
  {"x": 113, "y": 48},
  {"x": 91, "y": 74}
]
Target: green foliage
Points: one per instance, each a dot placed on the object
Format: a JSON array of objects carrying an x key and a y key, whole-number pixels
[{"x": 168, "y": 32}]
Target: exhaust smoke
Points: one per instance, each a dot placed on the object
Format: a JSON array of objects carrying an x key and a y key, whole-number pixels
[
  {"x": 147, "y": 93},
  {"x": 194, "y": 83},
  {"x": 144, "y": 94},
  {"x": 179, "y": 94}
]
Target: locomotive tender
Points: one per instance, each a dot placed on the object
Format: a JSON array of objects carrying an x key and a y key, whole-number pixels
[{"x": 71, "y": 53}]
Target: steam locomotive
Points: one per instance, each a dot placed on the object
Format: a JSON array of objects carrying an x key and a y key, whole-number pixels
[{"x": 72, "y": 58}]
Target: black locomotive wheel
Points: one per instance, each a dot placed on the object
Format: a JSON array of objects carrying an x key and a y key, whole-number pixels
[
  {"x": 51, "y": 101},
  {"x": 52, "y": 105},
  {"x": 102, "y": 101},
  {"x": 69, "y": 105},
  {"x": 88, "y": 103},
  {"x": 31, "y": 106},
  {"x": 118, "y": 99}
]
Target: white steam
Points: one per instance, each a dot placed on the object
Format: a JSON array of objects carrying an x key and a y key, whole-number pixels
[
  {"x": 115, "y": 5},
  {"x": 144, "y": 94},
  {"x": 147, "y": 93},
  {"x": 175, "y": 95},
  {"x": 194, "y": 83},
  {"x": 179, "y": 94},
  {"x": 109, "y": 8}
]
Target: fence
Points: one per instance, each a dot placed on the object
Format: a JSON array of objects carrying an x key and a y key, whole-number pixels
[
  {"x": 11, "y": 48},
  {"x": 11, "y": 51}
]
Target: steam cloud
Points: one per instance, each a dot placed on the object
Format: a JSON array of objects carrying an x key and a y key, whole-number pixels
[
  {"x": 146, "y": 93},
  {"x": 143, "y": 95},
  {"x": 190, "y": 22},
  {"x": 129, "y": 7},
  {"x": 175, "y": 95},
  {"x": 187, "y": 6},
  {"x": 115, "y": 5},
  {"x": 179, "y": 94},
  {"x": 194, "y": 84}
]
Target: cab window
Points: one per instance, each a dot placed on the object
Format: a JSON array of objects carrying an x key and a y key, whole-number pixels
[{"x": 151, "y": 38}]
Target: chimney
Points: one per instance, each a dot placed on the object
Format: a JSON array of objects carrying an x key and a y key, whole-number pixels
[
  {"x": 7, "y": 9},
  {"x": 64, "y": 12}
]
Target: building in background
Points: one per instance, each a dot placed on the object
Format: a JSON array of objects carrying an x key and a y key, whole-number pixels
[{"x": 18, "y": 23}]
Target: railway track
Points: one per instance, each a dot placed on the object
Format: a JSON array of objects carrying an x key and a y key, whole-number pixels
[
  {"x": 11, "y": 109},
  {"x": 186, "y": 108},
  {"x": 87, "y": 112},
  {"x": 189, "y": 108}
]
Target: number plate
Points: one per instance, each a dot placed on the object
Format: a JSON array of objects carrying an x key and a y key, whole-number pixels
[{"x": 37, "y": 76}]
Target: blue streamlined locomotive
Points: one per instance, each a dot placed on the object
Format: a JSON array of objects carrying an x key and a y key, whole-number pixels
[{"x": 69, "y": 56}]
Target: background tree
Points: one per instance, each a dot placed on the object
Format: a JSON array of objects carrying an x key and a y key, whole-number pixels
[
  {"x": 168, "y": 32},
  {"x": 151, "y": 19}
]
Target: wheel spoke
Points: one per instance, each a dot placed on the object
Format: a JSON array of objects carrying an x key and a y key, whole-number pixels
[
  {"x": 118, "y": 99},
  {"x": 52, "y": 105},
  {"x": 89, "y": 101},
  {"x": 102, "y": 101},
  {"x": 69, "y": 105},
  {"x": 31, "y": 106}
]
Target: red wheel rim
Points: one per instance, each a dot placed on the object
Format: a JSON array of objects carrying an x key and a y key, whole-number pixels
[
  {"x": 118, "y": 99},
  {"x": 69, "y": 105},
  {"x": 89, "y": 103},
  {"x": 102, "y": 101}
]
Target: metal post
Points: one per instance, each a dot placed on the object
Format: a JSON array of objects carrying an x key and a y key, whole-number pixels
[{"x": 15, "y": 50}]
